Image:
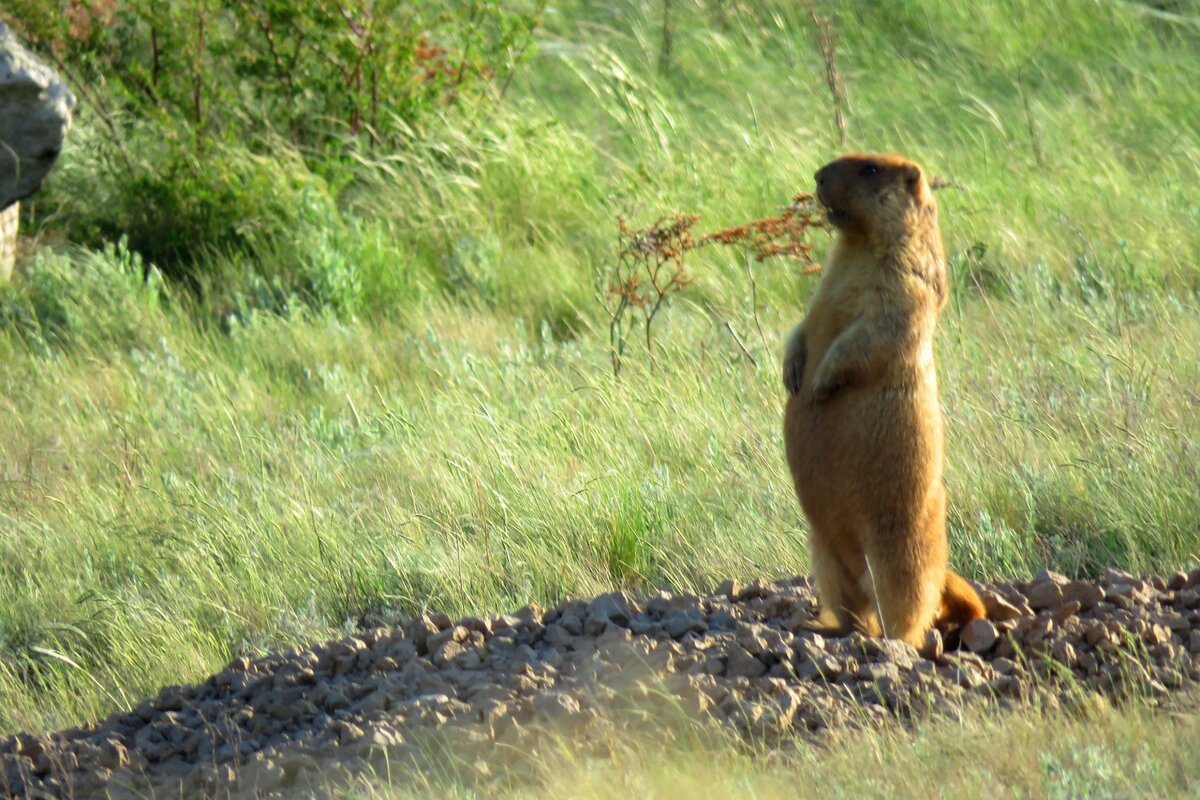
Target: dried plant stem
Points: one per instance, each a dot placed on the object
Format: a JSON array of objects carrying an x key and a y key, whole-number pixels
[
  {"x": 754, "y": 302},
  {"x": 741, "y": 345},
  {"x": 650, "y": 266},
  {"x": 833, "y": 78},
  {"x": 1035, "y": 136}
]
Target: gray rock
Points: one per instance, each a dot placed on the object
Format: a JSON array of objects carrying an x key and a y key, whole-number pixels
[
  {"x": 978, "y": 635},
  {"x": 741, "y": 664},
  {"x": 35, "y": 114},
  {"x": 457, "y": 634},
  {"x": 1045, "y": 595},
  {"x": 877, "y": 671},
  {"x": 998, "y": 608},
  {"x": 613, "y": 607},
  {"x": 730, "y": 589},
  {"x": 682, "y": 623}
]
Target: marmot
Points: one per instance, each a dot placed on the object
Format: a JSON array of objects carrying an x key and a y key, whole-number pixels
[{"x": 863, "y": 423}]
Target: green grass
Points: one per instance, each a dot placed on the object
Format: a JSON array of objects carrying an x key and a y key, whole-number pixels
[
  {"x": 1052, "y": 756},
  {"x": 185, "y": 477}
]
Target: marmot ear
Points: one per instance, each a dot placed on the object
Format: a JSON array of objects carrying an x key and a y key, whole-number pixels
[
  {"x": 912, "y": 178},
  {"x": 914, "y": 181}
]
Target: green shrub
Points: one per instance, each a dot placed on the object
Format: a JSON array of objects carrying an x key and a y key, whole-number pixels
[
  {"x": 70, "y": 299},
  {"x": 200, "y": 121}
]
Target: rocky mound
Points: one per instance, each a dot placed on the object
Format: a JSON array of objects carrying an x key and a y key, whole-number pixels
[{"x": 302, "y": 718}]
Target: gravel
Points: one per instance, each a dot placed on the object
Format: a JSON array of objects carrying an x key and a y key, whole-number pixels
[{"x": 480, "y": 686}]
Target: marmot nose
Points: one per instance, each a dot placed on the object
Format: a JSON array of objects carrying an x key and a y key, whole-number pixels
[{"x": 820, "y": 175}]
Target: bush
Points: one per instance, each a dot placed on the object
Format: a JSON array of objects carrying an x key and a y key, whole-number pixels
[
  {"x": 311, "y": 71},
  {"x": 175, "y": 207},
  {"x": 203, "y": 124},
  {"x": 71, "y": 299}
]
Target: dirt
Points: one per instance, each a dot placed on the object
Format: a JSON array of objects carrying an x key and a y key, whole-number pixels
[{"x": 304, "y": 720}]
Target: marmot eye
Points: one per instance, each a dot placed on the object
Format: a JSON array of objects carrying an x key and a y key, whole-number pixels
[{"x": 869, "y": 170}]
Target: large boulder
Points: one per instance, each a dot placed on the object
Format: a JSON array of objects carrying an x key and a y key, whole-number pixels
[{"x": 35, "y": 113}]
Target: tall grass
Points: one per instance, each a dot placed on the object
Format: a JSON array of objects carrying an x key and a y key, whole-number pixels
[{"x": 401, "y": 398}]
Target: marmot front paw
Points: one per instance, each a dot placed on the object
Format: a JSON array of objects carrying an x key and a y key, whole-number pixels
[{"x": 793, "y": 375}]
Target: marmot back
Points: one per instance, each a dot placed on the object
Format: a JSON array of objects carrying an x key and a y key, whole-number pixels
[{"x": 863, "y": 423}]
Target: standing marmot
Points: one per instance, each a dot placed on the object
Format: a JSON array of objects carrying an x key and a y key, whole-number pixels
[{"x": 863, "y": 424}]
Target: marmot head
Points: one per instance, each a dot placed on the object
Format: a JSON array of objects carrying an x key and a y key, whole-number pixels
[{"x": 880, "y": 197}]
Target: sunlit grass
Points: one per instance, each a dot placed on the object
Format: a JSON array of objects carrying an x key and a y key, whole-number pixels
[{"x": 1135, "y": 752}]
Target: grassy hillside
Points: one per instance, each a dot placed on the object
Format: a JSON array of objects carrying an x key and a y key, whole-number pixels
[{"x": 195, "y": 470}]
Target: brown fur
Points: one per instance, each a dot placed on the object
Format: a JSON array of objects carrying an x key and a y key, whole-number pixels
[{"x": 863, "y": 423}]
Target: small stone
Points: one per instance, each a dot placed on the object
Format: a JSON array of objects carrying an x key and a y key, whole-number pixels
[
  {"x": 783, "y": 670},
  {"x": 556, "y": 705},
  {"x": 382, "y": 737},
  {"x": 1067, "y": 610},
  {"x": 448, "y": 651},
  {"x": 401, "y": 650},
  {"x": 477, "y": 624},
  {"x": 281, "y": 711},
  {"x": 1047, "y": 576},
  {"x": 572, "y": 624},
  {"x": 933, "y": 646},
  {"x": 877, "y": 671},
  {"x": 1086, "y": 593},
  {"x": 824, "y": 666},
  {"x": 558, "y": 636},
  {"x": 1123, "y": 591},
  {"x": 594, "y": 625},
  {"x": 456, "y": 633},
  {"x": 730, "y": 589},
  {"x": 741, "y": 664},
  {"x": 1193, "y": 578},
  {"x": 1174, "y": 622},
  {"x": 1095, "y": 632},
  {"x": 721, "y": 621},
  {"x": 1004, "y": 666},
  {"x": 902, "y": 654},
  {"x": 348, "y": 733},
  {"x": 612, "y": 607},
  {"x": 1003, "y": 686},
  {"x": 641, "y": 625},
  {"x": 679, "y": 624},
  {"x": 799, "y": 621},
  {"x": 758, "y": 588},
  {"x": 1064, "y": 652},
  {"x": 1044, "y": 595},
  {"x": 419, "y": 630},
  {"x": 999, "y": 609},
  {"x": 750, "y": 635},
  {"x": 614, "y": 635},
  {"x": 978, "y": 635}
]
